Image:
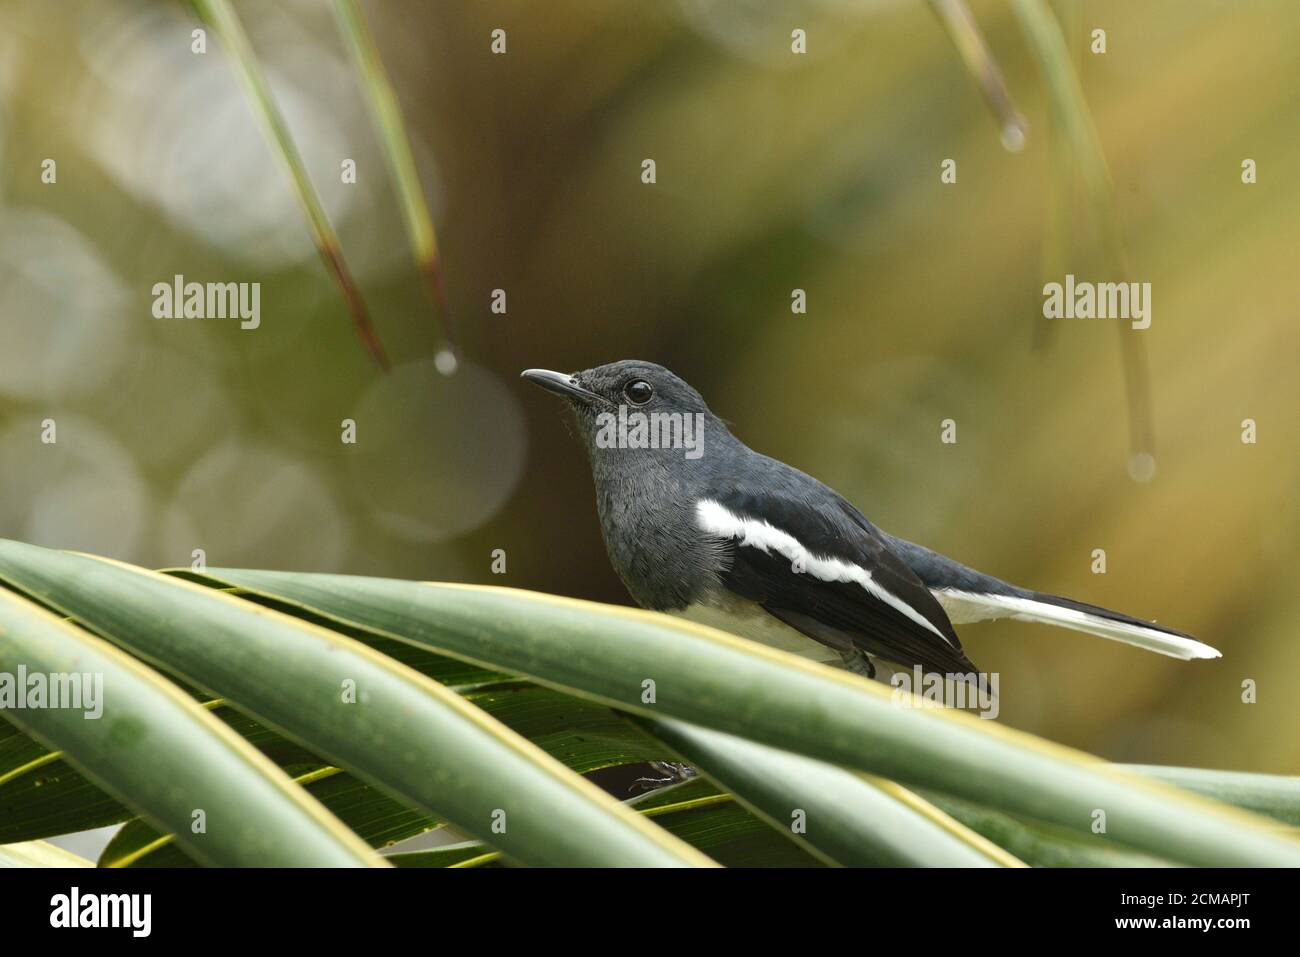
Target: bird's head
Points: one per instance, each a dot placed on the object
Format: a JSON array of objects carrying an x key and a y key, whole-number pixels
[{"x": 629, "y": 401}]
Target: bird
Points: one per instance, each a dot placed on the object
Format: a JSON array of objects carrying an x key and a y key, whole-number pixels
[{"x": 700, "y": 526}]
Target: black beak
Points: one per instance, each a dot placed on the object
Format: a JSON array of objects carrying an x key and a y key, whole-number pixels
[{"x": 561, "y": 384}]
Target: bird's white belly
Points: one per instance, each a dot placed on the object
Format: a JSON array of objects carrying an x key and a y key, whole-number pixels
[
  {"x": 748, "y": 620},
  {"x": 962, "y": 608}
]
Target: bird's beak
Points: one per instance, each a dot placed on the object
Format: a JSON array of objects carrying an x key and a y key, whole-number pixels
[{"x": 560, "y": 384}]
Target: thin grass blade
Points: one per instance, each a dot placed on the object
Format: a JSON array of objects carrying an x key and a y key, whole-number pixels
[
  {"x": 221, "y": 17},
  {"x": 387, "y": 115},
  {"x": 960, "y": 25}
]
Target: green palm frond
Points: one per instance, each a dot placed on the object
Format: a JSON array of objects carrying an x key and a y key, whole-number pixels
[{"x": 316, "y": 718}]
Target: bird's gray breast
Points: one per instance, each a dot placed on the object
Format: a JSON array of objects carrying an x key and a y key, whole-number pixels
[{"x": 647, "y": 518}]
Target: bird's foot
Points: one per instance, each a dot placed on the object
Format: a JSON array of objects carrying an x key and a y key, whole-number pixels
[
  {"x": 672, "y": 773},
  {"x": 857, "y": 662}
]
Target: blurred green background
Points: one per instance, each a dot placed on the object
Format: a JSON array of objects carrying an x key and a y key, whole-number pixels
[{"x": 775, "y": 172}]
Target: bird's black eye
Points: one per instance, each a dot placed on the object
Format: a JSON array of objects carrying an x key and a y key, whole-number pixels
[{"x": 638, "y": 391}]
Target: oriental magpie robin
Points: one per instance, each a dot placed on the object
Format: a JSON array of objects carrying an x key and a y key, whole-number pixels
[{"x": 699, "y": 525}]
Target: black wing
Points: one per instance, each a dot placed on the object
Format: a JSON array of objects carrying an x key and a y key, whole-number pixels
[{"x": 844, "y": 615}]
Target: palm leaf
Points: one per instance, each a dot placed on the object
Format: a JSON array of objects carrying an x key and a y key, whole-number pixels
[
  {"x": 583, "y": 736},
  {"x": 39, "y": 854},
  {"x": 1274, "y": 795},
  {"x": 1042, "y": 845},
  {"x": 708, "y": 678},
  {"x": 159, "y": 752},
  {"x": 695, "y": 811},
  {"x": 767, "y": 726},
  {"x": 842, "y": 817},
  {"x": 404, "y": 732}
]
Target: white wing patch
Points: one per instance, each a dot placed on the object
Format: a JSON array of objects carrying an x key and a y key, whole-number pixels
[
  {"x": 966, "y": 606},
  {"x": 717, "y": 519}
]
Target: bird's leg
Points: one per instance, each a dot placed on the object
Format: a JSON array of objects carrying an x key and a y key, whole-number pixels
[
  {"x": 673, "y": 773},
  {"x": 857, "y": 662}
]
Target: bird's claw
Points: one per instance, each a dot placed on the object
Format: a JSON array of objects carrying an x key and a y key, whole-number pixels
[
  {"x": 672, "y": 773},
  {"x": 859, "y": 663}
]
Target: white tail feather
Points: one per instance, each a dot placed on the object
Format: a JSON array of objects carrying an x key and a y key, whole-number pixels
[{"x": 966, "y": 606}]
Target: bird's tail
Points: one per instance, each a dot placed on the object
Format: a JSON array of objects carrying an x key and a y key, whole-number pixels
[{"x": 1068, "y": 613}]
